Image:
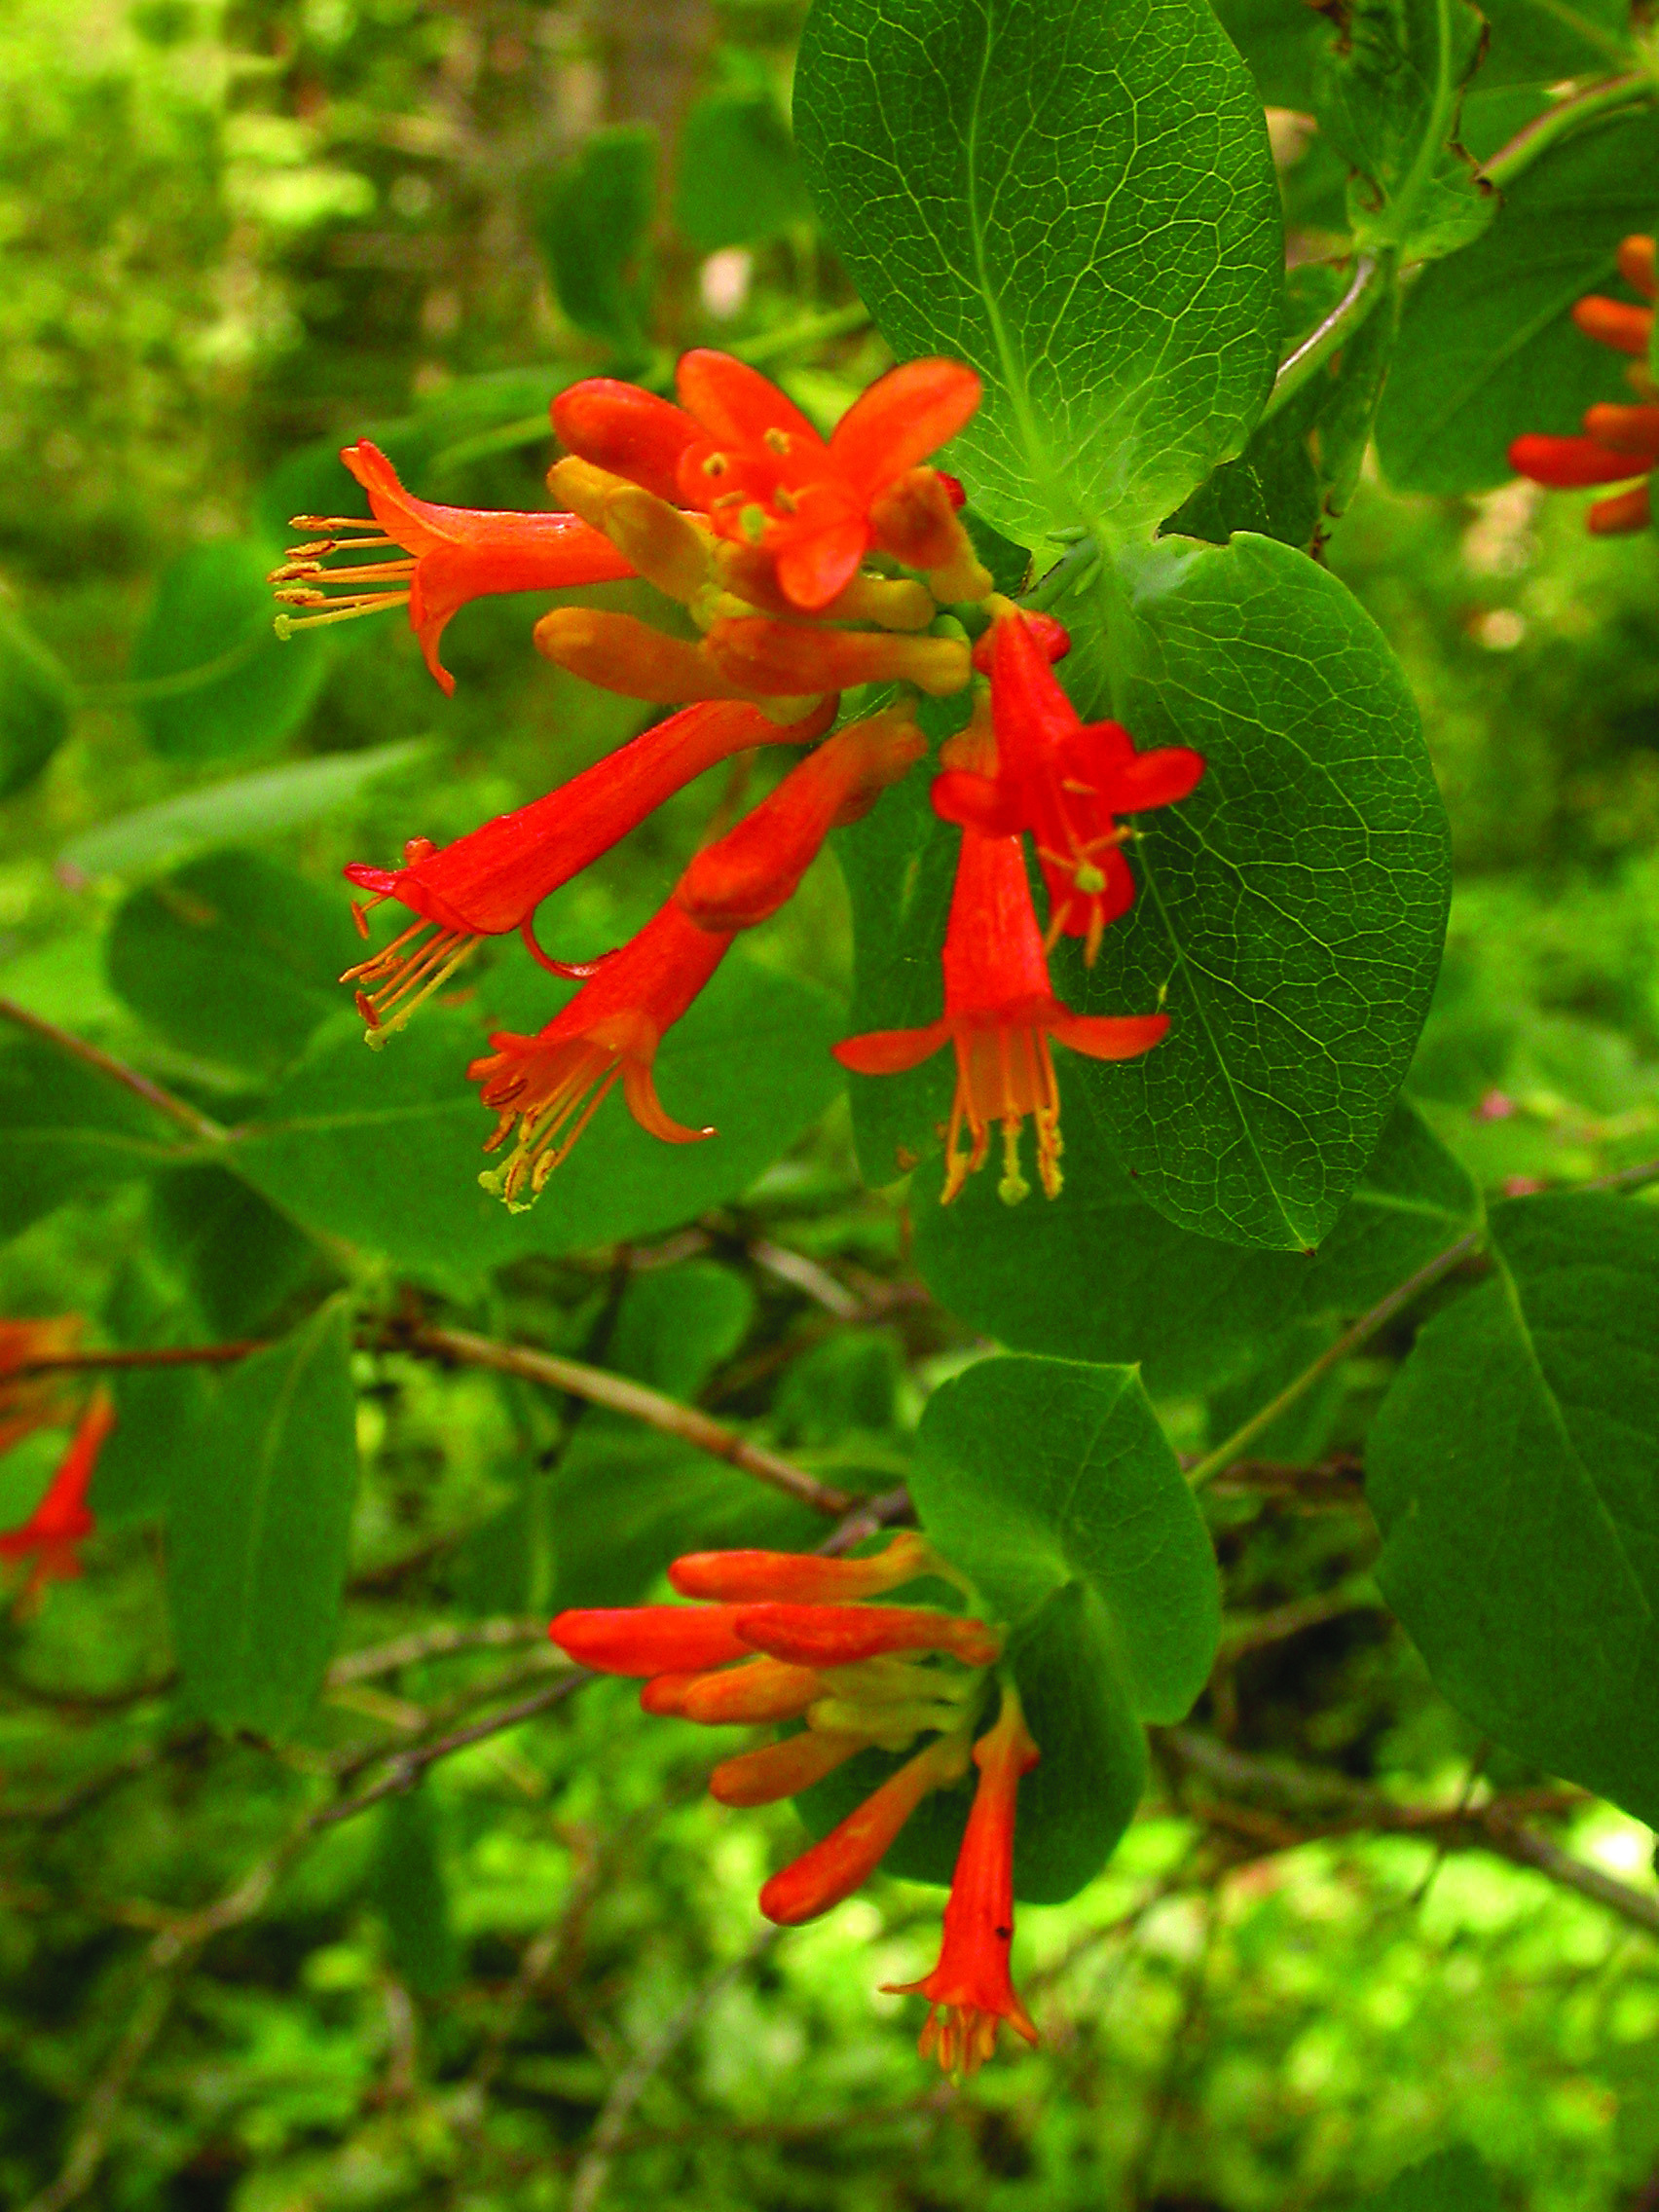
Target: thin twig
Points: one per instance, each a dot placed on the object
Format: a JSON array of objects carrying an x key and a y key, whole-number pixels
[
  {"x": 408, "y": 1766},
  {"x": 151, "y": 1355},
  {"x": 617, "y": 1394},
  {"x": 636, "y": 2076},
  {"x": 1328, "y": 1804},
  {"x": 891, "y": 1510},
  {"x": 1357, "y": 1594},
  {"x": 77, "y": 1048},
  {"x": 1372, "y": 273},
  {"x": 431, "y": 1644}
]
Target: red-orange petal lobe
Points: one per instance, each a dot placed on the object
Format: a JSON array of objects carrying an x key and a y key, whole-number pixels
[
  {"x": 840, "y": 1635},
  {"x": 415, "y": 523},
  {"x": 1157, "y": 777},
  {"x": 735, "y": 404},
  {"x": 890, "y": 1052},
  {"x": 817, "y": 567},
  {"x": 1567, "y": 464},
  {"x": 1612, "y": 323},
  {"x": 903, "y": 417},
  {"x": 1616, "y": 517},
  {"x": 805, "y": 1577},
  {"x": 992, "y": 805},
  {"x": 651, "y": 1639},
  {"x": 1053, "y": 637},
  {"x": 1106, "y": 1036},
  {"x": 638, "y": 1089},
  {"x": 630, "y": 432}
]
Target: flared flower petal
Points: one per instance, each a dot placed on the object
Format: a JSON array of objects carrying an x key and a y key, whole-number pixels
[
  {"x": 450, "y": 555},
  {"x": 550, "y": 1085},
  {"x": 971, "y": 1991},
  {"x": 628, "y": 431}
]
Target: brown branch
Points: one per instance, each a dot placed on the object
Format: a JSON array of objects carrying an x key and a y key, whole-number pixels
[
  {"x": 617, "y": 1394},
  {"x": 154, "y": 1356},
  {"x": 431, "y": 1644},
  {"x": 1327, "y": 1804},
  {"x": 205, "y": 1131},
  {"x": 1279, "y": 1622},
  {"x": 407, "y": 1767}
]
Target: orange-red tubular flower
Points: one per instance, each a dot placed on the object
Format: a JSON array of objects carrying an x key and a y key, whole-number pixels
[
  {"x": 551, "y": 1084},
  {"x": 494, "y": 879},
  {"x": 805, "y": 1577},
  {"x": 766, "y": 1690},
  {"x": 748, "y": 873},
  {"x": 780, "y": 1770},
  {"x": 28, "y": 1402},
  {"x": 764, "y": 659},
  {"x": 1065, "y": 781},
  {"x": 970, "y": 1991},
  {"x": 849, "y": 1855},
  {"x": 1000, "y": 1014},
  {"x": 651, "y": 1639},
  {"x": 745, "y": 453},
  {"x": 61, "y": 1520},
  {"x": 1619, "y": 443},
  {"x": 841, "y": 1636},
  {"x": 452, "y": 554}
]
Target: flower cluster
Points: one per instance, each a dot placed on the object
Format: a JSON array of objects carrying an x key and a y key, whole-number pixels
[
  {"x": 807, "y": 566},
  {"x": 779, "y": 1636},
  {"x": 1619, "y": 442},
  {"x": 31, "y": 1399}
]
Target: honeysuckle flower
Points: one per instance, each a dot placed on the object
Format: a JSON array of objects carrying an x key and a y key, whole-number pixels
[
  {"x": 1619, "y": 442},
  {"x": 550, "y": 1085},
  {"x": 1064, "y": 780},
  {"x": 50, "y": 1535},
  {"x": 970, "y": 1993},
  {"x": 844, "y": 1859},
  {"x": 1000, "y": 1014},
  {"x": 840, "y": 1635},
  {"x": 805, "y": 1577},
  {"x": 764, "y": 1689},
  {"x": 746, "y": 454},
  {"x": 450, "y": 555},
  {"x": 743, "y": 877},
  {"x": 773, "y": 1771},
  {"x": 491, "y": 880},
  {"x": 28, "y": 1402},
  {"x": 651, "y": 1639}
]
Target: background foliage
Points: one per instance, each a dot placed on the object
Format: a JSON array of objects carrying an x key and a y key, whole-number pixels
[{"x": 234, "y": 237}]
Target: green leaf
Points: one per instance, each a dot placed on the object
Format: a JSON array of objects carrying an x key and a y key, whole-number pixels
[
  {"x": 384, "y": 1149},
  {"x": 1192, "y": 1312},
  {"x": 244, "y": 806},
  {"x": 738, "y": 181},
  {"x": 593, "y": 227},
  {"x": 1081, "y": 203},
  {"x": 1514, "y": 1471},
  {"x": 1052, "y": 1487},
  {"x": 1278, "y": 39},
  {"x": 1035, "y": 1473},
  {"x": 155, "y": 1408},
  {"x": 260, "y": 1510},
  {"x": 1386, "y": 91},
  {"x": 36, "y": 697},
  {"x": 231, "y": 958},
  {"x": 242, "y": 1259},
  {"x": 1543, "y": 42},
  {"x": 678, "y": 1324},
  {"x": 67, "y": 1130},
  {"x": 1487, "y": 348},
  {"x": 1456, "y": 2180},
  {"x": 412, "y": 1895},
  {"x": 215, "y": 679},
  {"x": 1291, "y": 911}
]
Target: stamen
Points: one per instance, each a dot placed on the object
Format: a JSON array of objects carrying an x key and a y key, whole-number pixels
[
  {"x": 330, "y": 523},
  {"x": 546, "y": 1137},
  {"x": 411, "y": 963},
  {"x": 777, "y": 441},
  {"x": 338, "y": 610}
]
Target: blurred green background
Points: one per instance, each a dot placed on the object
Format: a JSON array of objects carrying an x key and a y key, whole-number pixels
[{"x": 232, "y": 237}]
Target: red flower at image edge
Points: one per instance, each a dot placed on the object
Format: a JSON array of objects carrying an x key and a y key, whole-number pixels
[
  {"x": 1619, "y": 442},
  {"x": 61, "y": 1520}
]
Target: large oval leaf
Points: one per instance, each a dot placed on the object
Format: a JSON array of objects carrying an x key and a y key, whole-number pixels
[{"x": 1078, "y": 201}]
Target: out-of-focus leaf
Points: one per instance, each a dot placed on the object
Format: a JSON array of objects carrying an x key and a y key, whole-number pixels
[
  {"x": 156, "y": 1409},
  {"x": 1079, "y": 201},
  {"x": 1456, "y": 2180},
  {"x": 241, "y": 1257},
  {"x": 66, "y": 1129},
  {"x": 1514, "y": 1471},
  {"x": 212, "y": 679},
  {"x": 738, "y": 181},
  {"x": 593, "y": 225},
  {"x": 260, "y": 1508},
  {"x": 35, "y": 701},
  {"x": 243, "y": 806},
  {"x": 412, "y": 1895},
  {"x": 233, "y": 958},
  {"x": 1487, "y": 348}
]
